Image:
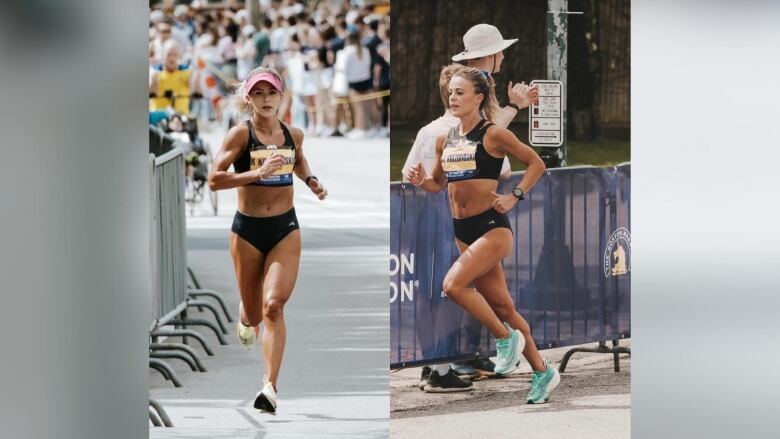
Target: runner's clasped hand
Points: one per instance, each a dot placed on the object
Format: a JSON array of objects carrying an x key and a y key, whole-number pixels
[
  {"x": 318, "y": 189},
  {"x": 503, "y": 203},
  {"x": 272, "y": 164},
  {"x": 416, "y": 174}
]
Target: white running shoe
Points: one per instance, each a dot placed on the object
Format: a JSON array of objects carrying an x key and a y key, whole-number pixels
[
  {"x": 247, "y": 335},
  {"x": 265, "y": 401}
]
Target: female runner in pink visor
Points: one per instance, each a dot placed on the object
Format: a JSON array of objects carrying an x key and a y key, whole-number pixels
[{"x": 265, "y": 242}]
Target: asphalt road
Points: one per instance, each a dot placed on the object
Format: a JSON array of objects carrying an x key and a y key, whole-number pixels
[{"x": 334, "y": 380}]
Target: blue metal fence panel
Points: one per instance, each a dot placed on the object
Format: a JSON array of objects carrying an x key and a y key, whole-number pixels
[{"x": 566, "y": 274}]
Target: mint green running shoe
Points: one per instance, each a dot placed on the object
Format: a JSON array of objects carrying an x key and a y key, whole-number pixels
[
  {"x": 542, "y": 384},
  {"x": 508, "y": 351}
]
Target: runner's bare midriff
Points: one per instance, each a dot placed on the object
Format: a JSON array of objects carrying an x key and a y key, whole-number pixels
[
  {"x": 471, "y": 197},
  {"x": 263, "y": 201}
]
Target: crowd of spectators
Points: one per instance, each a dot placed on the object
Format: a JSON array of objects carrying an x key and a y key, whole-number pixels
[{"x": 334, "y": 56}]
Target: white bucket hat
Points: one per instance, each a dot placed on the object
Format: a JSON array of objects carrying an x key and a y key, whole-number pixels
[{"x": 482, "y": 40}]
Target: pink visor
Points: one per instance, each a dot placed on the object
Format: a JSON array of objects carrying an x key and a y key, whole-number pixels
[{"x": 263, "y": 76}]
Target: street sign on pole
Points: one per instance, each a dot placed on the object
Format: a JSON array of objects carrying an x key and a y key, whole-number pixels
[{"x": 545, "y": 126}]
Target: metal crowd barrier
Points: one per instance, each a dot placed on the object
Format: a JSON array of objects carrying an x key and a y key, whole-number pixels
[
  {"x": 168, "y": 236},
  {"x": 172, "y": 279},
  {"x": 568, "y": 274}
]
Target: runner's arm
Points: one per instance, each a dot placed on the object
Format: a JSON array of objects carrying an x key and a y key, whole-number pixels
[
  {"x": 436, "y": 181},
  {"x": 503, "y": 140},
  {"x": 302, "y": 169}
]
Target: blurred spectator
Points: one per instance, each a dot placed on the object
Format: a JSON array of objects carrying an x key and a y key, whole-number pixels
[
  {"x": 172, "y": 83},
  {"x": 326, "y": 118},
  {"x": 228, "y": 43},
  {"x": 291, "y": 8},
  {"x": 380, "y": 71},
  {"x": 207, "y": 53},
  {"x": 262, "y": 42},
  {"x": 352, "y": 14},
  {"x": 245, "y": 52},
  {"x": 206, "y": 46},
  {"x": 383, "y": 60},
  {"x": 183, "y": 29},
  {"x": 161, "y": 33},
  {"x": 355, "y": 61},
  {"x": 285, "y": 28}
]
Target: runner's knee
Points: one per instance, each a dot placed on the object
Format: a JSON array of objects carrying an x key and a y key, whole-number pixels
[
  {"x": 273, "y": 309},
  {"x": 453, "y": 289}
]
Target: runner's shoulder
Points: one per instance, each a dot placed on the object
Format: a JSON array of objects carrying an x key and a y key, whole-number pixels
[
  {"x": 238, "y": 135},
  {"x": 296, "y": 133}
]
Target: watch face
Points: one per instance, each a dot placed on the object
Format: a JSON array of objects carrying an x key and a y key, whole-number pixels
[{"x": 518, "y": 192}]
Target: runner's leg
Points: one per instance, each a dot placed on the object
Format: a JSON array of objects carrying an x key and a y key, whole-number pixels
[
  {"x": 247, "y": 261},
  {"x": 280, "y": 273},
  {"x": 492, "y": 285},
  {"x": 474, "y": 261}
]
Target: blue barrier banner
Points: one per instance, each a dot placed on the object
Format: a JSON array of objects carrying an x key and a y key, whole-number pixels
[{"x": 569, "y": 272}]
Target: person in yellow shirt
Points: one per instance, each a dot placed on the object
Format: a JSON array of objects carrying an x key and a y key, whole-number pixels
[{"x": 172, "y": 84}]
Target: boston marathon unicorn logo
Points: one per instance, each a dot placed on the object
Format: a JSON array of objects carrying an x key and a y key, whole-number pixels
[{"x": 617, "y": 254}]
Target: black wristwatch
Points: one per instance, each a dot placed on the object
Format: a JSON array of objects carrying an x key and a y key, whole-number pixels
[
  {"x": 515, "y": 106},
  {"x": 518, "y": 193},
  {"x": 310, "y": 178}
]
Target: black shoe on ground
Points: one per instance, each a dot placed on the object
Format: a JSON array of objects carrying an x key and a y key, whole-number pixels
[
  {"x": 447, "y": 383},
  {"x": 426, "y": 372},
  {"x": 483, "y": 365},
  {"x": 464, "y": 370}
]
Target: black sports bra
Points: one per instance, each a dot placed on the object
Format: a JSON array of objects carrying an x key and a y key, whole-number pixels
[
  {"x": 465, "y": 157},
  {"x": 255, "y": 153}
]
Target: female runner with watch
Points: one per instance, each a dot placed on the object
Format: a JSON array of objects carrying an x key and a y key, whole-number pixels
[
  {"x": 266, "y": 243},
  {"x": 468, "y": 160}
]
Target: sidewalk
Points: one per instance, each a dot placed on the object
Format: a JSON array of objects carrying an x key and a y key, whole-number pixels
[{"x": 592, "y": 401}]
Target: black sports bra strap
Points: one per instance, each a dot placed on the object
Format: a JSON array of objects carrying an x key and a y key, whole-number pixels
[
  {"x": 454, "y": 132},
  {"x": 479, "y": 127},
  {"x": 287, "y": 136},
  {"x": 252, "y": 134}
]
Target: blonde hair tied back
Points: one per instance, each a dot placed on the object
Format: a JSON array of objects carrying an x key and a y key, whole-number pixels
[{"x": 482, "y": 85}]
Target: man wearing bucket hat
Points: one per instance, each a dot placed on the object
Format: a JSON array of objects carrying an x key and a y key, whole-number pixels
[{"x": 484, "y": 49}]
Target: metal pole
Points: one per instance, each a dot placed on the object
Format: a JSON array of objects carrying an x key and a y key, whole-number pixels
[{"x": 557, "y": 40}]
